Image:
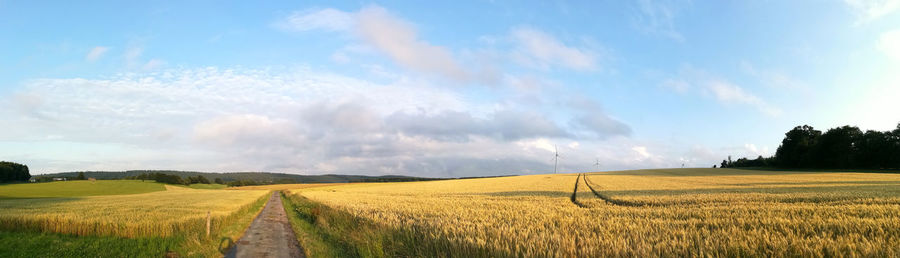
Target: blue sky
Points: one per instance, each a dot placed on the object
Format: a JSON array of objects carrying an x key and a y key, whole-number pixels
[{"x": 437, "y": 89}]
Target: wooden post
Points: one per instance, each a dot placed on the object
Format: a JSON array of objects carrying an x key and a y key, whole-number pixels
[{"x": 207, "y": 223}]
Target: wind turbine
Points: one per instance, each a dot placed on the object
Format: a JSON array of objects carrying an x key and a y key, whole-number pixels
[
  {"x": 597, "y": 164},
  {"x": 555, "y": 158}
]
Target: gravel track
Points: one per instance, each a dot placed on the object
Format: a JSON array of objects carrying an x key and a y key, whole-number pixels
[{"x": 270, "y": 234}]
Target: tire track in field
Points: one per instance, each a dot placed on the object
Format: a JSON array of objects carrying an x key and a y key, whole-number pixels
[
  {"x": 575, "y": 192},
  {"x": 607, "y": 198}
]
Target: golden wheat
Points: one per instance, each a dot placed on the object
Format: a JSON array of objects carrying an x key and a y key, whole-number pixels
[
  {"x": 675, "y": 212},
  {"x": 281, "y": 186},
  {"x": 163, "y": 213}
]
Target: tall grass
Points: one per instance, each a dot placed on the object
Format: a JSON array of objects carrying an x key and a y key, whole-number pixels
[{"x": 328, "y": 232}]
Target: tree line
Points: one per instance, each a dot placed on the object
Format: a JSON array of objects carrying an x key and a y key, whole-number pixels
[
  {"x": 840, "y": 148},
  {"x": 11, "y": 171},
  {"x": 175, "y": 179}
]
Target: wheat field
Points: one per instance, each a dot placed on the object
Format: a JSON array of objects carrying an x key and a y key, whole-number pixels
[
  {"x": 281, "y": 187},
  {"x": 155, "y": 214},
  {"x": 674, "y": 212}
]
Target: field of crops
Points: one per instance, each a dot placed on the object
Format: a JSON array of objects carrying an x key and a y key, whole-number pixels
[
  {"x": 672, "y": 212},
  {"x": 78, "y": 188},
  {"x": 283, "y": 186},
  {"x": 153, "y": 214}
]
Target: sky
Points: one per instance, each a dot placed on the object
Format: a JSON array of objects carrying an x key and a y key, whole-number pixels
[{"x": 437, "y": 89}]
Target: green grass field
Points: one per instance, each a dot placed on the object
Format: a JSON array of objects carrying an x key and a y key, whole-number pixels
[
  {"x": 29, "y": 244},
  {"x": 78, "y": 188}
]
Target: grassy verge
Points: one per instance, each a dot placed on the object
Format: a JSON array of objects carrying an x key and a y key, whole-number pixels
[
  {"x": 23, "y": 244},
  {"x": 328, "y": 232},
  {"x": 191, "y": 241},
  {"x": 226, "y": 231}
]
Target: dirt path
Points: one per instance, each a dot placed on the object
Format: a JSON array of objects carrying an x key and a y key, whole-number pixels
[{"x": 270, "y": 234}]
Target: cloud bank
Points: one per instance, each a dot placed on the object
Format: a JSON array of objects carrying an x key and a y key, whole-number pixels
[{"x": 301, "y": 121}]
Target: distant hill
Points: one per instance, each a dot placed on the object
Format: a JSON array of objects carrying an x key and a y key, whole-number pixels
[{"x": 263, "y": 177}]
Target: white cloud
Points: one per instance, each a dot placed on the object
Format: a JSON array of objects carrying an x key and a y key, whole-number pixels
[
  {"x": 699, "y": 155},
  {"x": 460, "y": 126},
  {"x": 133, "y": 55},
  {"x": 591, "y": 118},
  {"x": 642, "y": 151},
  {"x": 380, "y": 32},
  {"x": 399, "y": 40},
  {"x": 752, "y": 151},
  {"x": 540, "y": 143},
  {"x": 288, "y": 120},
  {"x": 727, "y": 93},
  {"x": 536, "y": 48},
  {"x": 889, "y": 43},
  {"x": 96, "y": 53},
  {"x": 346, "y": 54},
  {"x": 133, "y": 59},
  {"x": 677, "y": 85},
  {"x": 318, "y": 19},
  {"x": 154, "y": 64},
  {"x": 340, "y": 58},
  {"x": 773, "y": 79},
  {"x": 387, "y": 34},
  {"x": 242, "y": 129},
  {"x": 723, "y": 91},
  {"x": 871, "y": 10},
  {"x": 525, "y": 83},
  {"x": 657, "y": 17}
]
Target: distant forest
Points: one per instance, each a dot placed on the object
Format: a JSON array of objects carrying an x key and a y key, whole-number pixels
[
  {"x": 845, "y": 147},
  {"x": 230, "y": 178}
]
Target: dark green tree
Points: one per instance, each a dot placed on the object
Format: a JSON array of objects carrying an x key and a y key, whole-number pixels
[
  {"x": 837, "y": 148},
  {"x": 874, "y": 150},
  {"x": 11, "y": 171},
  {"x": 794, "y": 150},
  {"x": 893, "y": 137},
  {"x": 164, "y": 178},
  {"x": 80, "y": 176}
]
